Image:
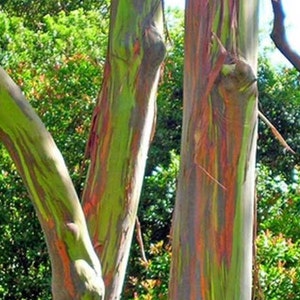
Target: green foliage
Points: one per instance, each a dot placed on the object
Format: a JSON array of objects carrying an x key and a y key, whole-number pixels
[
  {"x": 157, "y": 201},
  {"x": 169, "y": 98},
  {"x": 152, "y": 281},
  {"x": 59, "y": 72},
  {"x": 279, "y": 270},
  {"x": 278, "y": 250},
  {"x": 57, "y": 60},
  {"x": 279, "y": 100},
  {"x": 24, "y": 265},
  {"x": 33, "y": 12},
  {"x": 279, "y": 203},
  {"x": 59, "y": 68},
  {"x": 155, "y": 212}
]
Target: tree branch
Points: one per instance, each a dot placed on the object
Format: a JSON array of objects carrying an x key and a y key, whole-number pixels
[
  {"x": 139, "y": 238},
  {"x": 276, "y": 133},
  {"x": 76, "y": 271},
  {"x": 278, "y": 35}
]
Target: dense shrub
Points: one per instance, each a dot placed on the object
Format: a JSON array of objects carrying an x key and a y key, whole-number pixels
[
  {"x": 24, "y": 263},
  {"x": 278, "y": 240},
  {"x": 278, "y": 267},
  {"x": 279, "y": 202},
  {"x": 155, "y": 214},
  {"x": 152, "y": 281},
  {"x": 158, "y": 198}
]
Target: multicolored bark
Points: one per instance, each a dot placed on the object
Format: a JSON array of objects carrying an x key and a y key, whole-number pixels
[
  {"x": 121, "y": 131},
  {"x": 213, "y": 218},
  {"x": 76, "y": 272}
]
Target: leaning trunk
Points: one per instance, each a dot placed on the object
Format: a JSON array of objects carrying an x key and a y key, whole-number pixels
[
  {"x": 213, "y": 218},
  {"x": 76, "y": 272},
  {"x": 123, "y": 122}
]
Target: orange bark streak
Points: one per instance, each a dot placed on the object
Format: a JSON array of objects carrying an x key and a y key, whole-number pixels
[
  {"x": 136, "y": 48},
  {"x": 64, "y": 257}
]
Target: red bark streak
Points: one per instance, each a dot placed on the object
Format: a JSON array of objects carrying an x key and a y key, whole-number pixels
[
  {"x": 215, "y": 71},
  {"x": 215, "y": 129},
  {"x": 90, "y": 205},
  {"x": 122, "y": 126},
  {"x": 94, "y": 137},
  {"x": 137, "y": 48},
  {"x": 50, "y": 224},
  {"x": 65, "y": 259},
  {"x": 233, "y": 125},
  {"x": 98, "y": 149}
]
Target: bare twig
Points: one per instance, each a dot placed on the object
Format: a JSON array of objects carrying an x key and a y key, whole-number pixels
[
  {"x": 276, "y": 133},
  {"x": 212, "y": 178},
  {"x": 278, "y": 35},
  {"x": 140, "y": 239}
]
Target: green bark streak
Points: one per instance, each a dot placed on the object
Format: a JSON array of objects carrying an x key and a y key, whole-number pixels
[
  {"x": 120, "y": 134},
  {"x": 213, "y": 218},
  {"x": 76, "y": 271}
]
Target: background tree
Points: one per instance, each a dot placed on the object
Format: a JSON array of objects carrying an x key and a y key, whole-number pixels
[
  {"x": 278, "y": 35},
  {"x": 33, "y": 12},
  {"x": 41, "y": 62}
]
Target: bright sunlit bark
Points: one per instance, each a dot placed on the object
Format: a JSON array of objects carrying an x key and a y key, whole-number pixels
[
  {"x": 121, "y": 131},
  {"x": 213, "y": 218}
]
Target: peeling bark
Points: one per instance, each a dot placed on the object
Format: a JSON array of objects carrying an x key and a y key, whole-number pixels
[
  {"x": 121, "y": 131},
  {"x": 213, "y": 217}
]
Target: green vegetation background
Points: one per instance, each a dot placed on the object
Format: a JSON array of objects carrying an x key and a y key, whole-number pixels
[{"x": 57, "y": 61}]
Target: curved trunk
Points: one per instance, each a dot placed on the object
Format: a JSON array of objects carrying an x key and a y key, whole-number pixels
[
  {"x": 76, "y": 272},
  {"x": 121, "y": 131}
]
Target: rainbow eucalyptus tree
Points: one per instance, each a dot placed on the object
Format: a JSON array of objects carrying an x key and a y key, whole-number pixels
[
  {"x": 101, "y": 228},
  {"x": 214, "y": 211},
  {"x": 121, "y": 131},
  {"x": 76, "y": 271}
]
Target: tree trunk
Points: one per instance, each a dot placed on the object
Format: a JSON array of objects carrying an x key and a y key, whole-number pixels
[
  {"x": 76, "y": 272},
  {"x": 120, "y": 135},
  {"x": 213, "y": 218}
]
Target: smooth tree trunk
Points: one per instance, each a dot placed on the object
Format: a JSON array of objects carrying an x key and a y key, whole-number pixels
[
  {"x": 121, "y": 131},
  {"x": 278, "y": 35},
  {"x": 76, "y": 272},
  {"x": 120, "y": 135},
  {"x": 214, "y": 211}
]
